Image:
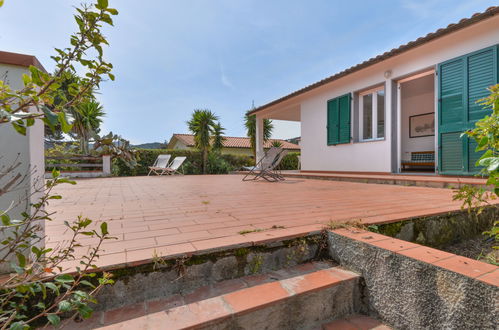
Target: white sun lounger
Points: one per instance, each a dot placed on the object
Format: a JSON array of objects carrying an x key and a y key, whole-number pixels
[
  {"x": 160, "y": 165},
  {"x": 175, "y": 165},
  {"x": 267, "y": 166}
]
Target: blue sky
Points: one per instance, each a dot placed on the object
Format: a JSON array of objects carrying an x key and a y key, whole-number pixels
[{"x": 171, "y": 57}]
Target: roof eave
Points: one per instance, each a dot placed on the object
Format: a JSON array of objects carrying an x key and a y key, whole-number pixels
[{"x": 20, "y": 60}]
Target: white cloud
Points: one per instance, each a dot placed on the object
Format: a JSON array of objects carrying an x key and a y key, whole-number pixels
[{"x": 224, "y": 79}]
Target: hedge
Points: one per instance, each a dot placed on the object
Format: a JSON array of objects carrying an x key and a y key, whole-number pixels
[{"x": 217, "y": 164}]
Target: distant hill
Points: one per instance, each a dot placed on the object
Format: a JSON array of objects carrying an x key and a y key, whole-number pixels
[{"x": 152, "y": 145}]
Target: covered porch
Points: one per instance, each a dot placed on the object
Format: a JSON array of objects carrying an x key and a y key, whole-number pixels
[{"x": 290, "y": 112}]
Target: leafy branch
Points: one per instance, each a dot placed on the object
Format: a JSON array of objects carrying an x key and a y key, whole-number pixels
[
  {"x": 37, "y": 98},
  {"x": 486, "y": 134}
]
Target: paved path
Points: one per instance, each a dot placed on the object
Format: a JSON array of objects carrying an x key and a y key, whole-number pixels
[{"x": 169, "y": 215}]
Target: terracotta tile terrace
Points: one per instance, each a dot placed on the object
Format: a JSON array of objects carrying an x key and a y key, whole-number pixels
[{"x": 174, "y": 215}]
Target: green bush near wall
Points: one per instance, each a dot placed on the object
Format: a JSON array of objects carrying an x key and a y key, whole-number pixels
[
  {"x": 290, "y": 161},
  {"x": 217, "y": 164}
]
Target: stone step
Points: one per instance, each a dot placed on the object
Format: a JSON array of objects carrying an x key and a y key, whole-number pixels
[
  {"x": 304, "y": 297},
  {"x": 355, "y": 322}
]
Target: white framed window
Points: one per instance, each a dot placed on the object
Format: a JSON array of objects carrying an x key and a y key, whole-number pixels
[{"x": 372, "y": 114}]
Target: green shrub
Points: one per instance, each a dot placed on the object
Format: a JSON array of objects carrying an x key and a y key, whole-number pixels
[
  {"x": 238, "y": 161},
  {"x": 217, "y": 164},
  {"x": 290, "y": 161}
]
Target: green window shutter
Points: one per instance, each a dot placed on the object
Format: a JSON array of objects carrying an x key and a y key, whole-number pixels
[
  {"x": 482, "y": 73},
  {"x": 332, "y": 122},
  {"x": 344, "y": 111},
  {"x": 451, "y": 155},
  {"x": 338, "y": 120},
  {"x": 462, "y": 82},
  {"x": 452, "y": 92}
]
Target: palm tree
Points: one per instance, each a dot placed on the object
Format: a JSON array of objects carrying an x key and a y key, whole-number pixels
[
  {"x": 276, "y": 143},
  {"x": 87, "y": 120},
  {"x": 201, "y": 125},
  {"x": 218, "y": 139},
  {"x": 250, "y": 124}
]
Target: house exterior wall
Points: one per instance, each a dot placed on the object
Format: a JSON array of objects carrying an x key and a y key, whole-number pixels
[
  {"x": 376, "y": 156},
  {"x": 181, "y": 145},
  {"x": 28, "y": 150}
]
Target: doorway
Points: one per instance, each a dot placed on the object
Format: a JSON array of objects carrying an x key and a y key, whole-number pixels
[{"x": 417, "y": 123}]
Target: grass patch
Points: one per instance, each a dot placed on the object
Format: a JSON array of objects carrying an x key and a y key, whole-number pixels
[
  {"x": 357, "y": 223},
  {"x": 256, "y": 230},
  {"x": 247, "y": 231}
]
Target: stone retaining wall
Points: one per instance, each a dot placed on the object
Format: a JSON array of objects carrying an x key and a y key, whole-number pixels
[
  {"x": 409, "y": 286},
  {"x": 163, "y": 278}
]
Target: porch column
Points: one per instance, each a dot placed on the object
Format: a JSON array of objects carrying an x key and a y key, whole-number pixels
[{"x": 259, "y": 137}]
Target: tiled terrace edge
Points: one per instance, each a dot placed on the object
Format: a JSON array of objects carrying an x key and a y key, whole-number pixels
[
  {"x": 394, "y": 179},
  {"x": 216, "y": 260},
  {"x": 412, "y": 286}
]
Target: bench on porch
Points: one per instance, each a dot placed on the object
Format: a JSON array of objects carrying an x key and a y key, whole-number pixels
[{"x": 423, "y": 159}]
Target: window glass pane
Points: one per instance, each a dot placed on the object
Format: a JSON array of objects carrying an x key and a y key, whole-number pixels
[
  {"x": 367, "y": 116},
  {"x": 381, "y": 114}
]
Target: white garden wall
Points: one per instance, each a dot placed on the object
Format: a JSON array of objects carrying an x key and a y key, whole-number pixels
[{"x": 28, "y": 150}]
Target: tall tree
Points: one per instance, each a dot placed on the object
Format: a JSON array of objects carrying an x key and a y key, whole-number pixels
[
  {"x": 87, "y": 120},
  {"x": 202, "y": 126},
  {"x": 250, "y": 124},
  {"x": 218, "y": 139},
  {"x": 68, "y": 82}
]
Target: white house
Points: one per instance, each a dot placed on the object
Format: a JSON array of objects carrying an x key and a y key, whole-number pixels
[{"x": 373, "y": 116}]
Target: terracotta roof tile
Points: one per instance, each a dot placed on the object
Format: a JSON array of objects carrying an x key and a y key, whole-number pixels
[
  {"x": 20, "y": 60},
  {"x": 463, "y": 23},
  {"x": 236, "y": 142}
]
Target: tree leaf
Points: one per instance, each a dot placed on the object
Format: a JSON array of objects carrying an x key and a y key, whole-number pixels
[
  {"x": 87, "y": 283},
  {"x": 21, "y": 259},
  {"x": 63, "y": 120},
  {"x": 101, "y": 4},
  {"x": 52, "y": 287},
  {"x": 40, "y": 305},
  {"x": 54, "y": 319},
  {"x": 85, "y": 311},
  {"x": 64, "y": 278},
  {"x": 5, "y": 220},
  {"x": 64, "y": 306},
  {"x": 112, "y": 11},
  {"x": 103, "y": 228},
  {"x": 19, "y": 127},
  {"x": 20, "y": 325},
  {"x": 50, "y": 118}
]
